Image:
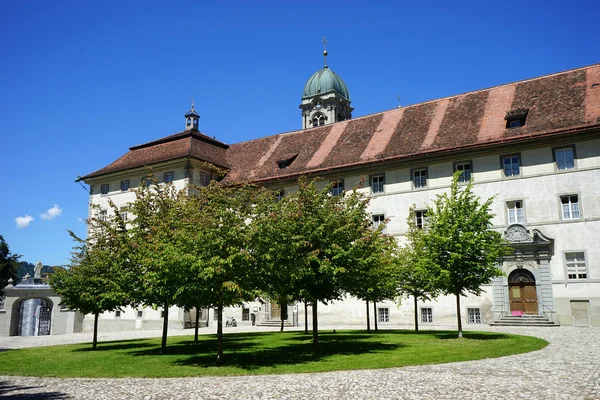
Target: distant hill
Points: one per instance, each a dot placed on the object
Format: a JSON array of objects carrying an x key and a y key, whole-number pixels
[{"x": 27, "y": 268}]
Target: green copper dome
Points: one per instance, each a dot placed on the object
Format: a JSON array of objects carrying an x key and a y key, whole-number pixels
[{"x": 325, "y": 81}]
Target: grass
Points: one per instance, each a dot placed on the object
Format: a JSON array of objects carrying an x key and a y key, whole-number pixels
[{"x": 262, "y": 353}]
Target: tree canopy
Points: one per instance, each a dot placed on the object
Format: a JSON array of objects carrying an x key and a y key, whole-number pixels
[{"x": 9, "y": 263}]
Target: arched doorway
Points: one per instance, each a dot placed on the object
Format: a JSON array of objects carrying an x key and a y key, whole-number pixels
[
  {"x": 34, "y": 317},
  {"x": 522, "y": 292}
]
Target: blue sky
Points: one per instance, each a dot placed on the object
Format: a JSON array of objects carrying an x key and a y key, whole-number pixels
[{"x": 82, "y": 81}]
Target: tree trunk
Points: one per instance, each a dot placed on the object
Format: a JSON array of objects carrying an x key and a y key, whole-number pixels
[
  {"x": 281, "y": 314},
  {"x": 460, "y": 333},
  {"x": 305, "y": 317},
  {"x": 416, "y": 315},
  {"x": 368, "y": 318},
  {"x": 163, "y": 346},
  {"x": 197, "y": 322},
  {"x": 95, "y": 341},
  {"x": 315, "y": 327},
  {"x": 375, "y": 317},
  {"x": 220, "y": 334}
]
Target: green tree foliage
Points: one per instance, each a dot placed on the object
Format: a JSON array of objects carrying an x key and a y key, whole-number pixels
[
  {"x": 418, "y": 275},
  {"x": 96, "y": 280},
  {"x": 9, "y": 263},
  {"x": 374, "y": 275},
  {"x": 219, "y": 242},
  {"x": 459, "y": 241},
  {"x": 157, "y": 239}
]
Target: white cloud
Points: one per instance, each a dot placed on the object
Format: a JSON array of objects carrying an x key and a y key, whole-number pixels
[
  {"x": 52, "y": 213},
  {"x": 23, "y": 222}
]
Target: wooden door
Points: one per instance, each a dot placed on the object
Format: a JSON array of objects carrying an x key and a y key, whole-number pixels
[
  {"x": 530, "y": 299},
  {"x": 275, "y": 311},
  {"x": 580, "y": 313},
  {"x": 523, "y": 297}
]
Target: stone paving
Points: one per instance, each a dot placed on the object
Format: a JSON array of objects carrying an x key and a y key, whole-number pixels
[{"x": 569, "y": 368}]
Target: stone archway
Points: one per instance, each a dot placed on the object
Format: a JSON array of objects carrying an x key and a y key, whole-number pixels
[
  {"x": 33, "y": 316},
  {"x": 522, "y": 292}
]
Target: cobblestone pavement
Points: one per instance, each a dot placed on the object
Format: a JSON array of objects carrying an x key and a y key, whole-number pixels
[{"x": 569, "y": 368}]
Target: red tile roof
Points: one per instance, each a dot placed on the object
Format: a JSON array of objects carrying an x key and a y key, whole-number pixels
[{"x": 559, "y": 103}]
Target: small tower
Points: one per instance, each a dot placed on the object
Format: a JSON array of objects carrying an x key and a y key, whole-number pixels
[
  {"x": 325, "y": 99},
  {"x": 191, "y": 119}
]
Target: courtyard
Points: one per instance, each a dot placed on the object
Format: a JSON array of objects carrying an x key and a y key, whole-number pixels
[{"x": 568, "y": 368}]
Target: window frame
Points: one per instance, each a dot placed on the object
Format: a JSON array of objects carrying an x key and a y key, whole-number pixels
[
  {"x": 335, "y": 188},
  {"x": 279, "y": 195},
  {"x": 412, "y": 176},
  {"x": 245, "y": 313},
  {"x": 460, "y": 178},
  {"x": 423, "y": 219},
  {"x": 104, "y": 186},
  {"x": 555, "y": 159},
  {"x": 383, "y": 315},
  {"x": 579, "y": 208},
  {"x": 125, "y": 183},
  {"x": 381, "y": 218},
  {"x": 169, "y": 173},
  {"x": 477, "y": 319},
  {"x": 585, "y": 266},
  {"x": 508, "y": 209},
  {"x": 429, "y": 315},
  {"x": 505, "y": 156},
  {"x": 382, "y": 184}
]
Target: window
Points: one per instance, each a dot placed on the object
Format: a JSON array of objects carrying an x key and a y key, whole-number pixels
[
  {"x": 515, "y": 212},
  {"x": 426, "y": 315},
  {"x": 140, "y": 313},
  {"x": 377, "y": 182},
  {"x": 117, "y": 314},
  {"x": 104, "y": 188},
  {"x": 103, "y": 215},
  {"x": 420, "y": 219},
  {"x": 204, "y": 179},
  {"x": 245, "y": 314},
  {"x": 419, "y": 178},
  {"x": 318, "y": 120},
  {"x": 565, "y": 158},
  {"x": 169, "y": 176},
  {"x": 474, "y": 315},
  {"x": 147, "y": 180},
  {"x": 281, "y": 164},
  {"x": 466, "y": 169},
  {"x": 123, "y": 213},
  {"x": 570, "y": 207},
  {"x": 337, "y": 187},
  {"x": 125, "y": 185},
  {"x": 383, "y": 314},
  {"x": 576, "y": 268},
  {"x": 216, "y": 314},
  {"x": 511, "y": 165},
  {"x": 279, "y": 195},
  {"x": 516, "y": 118},
  {"x": 377, "y": 220}
]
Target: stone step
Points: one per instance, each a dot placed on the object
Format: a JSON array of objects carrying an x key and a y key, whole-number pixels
[{"x": 275, "y": 323}]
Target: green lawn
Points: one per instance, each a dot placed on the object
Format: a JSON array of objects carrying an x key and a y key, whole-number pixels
[{"x": 262, "y": 353}]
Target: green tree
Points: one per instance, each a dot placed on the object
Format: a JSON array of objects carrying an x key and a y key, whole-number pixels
[
  {"x": 374, "y": 275},
  {"x": 96, "y": 280},
  {"x": 460, "y": 242},
  {"x": 219, "y": 239},
  {"x": 9, "y": 263},
  {"x": 318, "y": 245},
  {"x": 418, "y": 275},
  {"x": 157, "y": 239}
]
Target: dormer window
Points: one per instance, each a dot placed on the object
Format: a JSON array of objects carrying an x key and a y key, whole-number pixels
[
  {"x": 287, "y": 161},
  {"x": 516, "y": 118}
]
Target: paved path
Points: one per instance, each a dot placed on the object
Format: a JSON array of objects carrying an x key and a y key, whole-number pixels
[{"x": 569, "y": 368}]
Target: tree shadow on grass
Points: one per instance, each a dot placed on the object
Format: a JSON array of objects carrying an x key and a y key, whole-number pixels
[
  {"x": 7, "y": 389},
  {"x": 469, "y": 335},
  {"x": 298, "y": 353},
  {"x": 118, "y": 345}
]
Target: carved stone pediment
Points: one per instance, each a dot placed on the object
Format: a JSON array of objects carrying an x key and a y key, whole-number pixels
[{"x": 517, "y": 234}]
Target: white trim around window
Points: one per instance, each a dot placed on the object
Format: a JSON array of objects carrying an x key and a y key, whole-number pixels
[
  {"x": 515, "y": 212},
  {"x": 575, "y": 265},
  {"x": 570, "y": 207}
]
